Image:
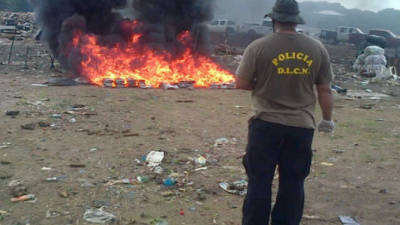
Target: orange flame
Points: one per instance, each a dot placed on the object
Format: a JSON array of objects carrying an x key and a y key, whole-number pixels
[{"x": 140, "y": 62}]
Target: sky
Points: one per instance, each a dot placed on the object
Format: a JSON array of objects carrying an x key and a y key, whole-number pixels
[{"x": 373, "y": 5}]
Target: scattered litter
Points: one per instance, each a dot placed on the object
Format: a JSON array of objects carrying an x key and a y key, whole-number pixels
[
  {"x": 309, "y": 217},
  {"x": 347, "y": 220},
  {"x": 201, "y": 161},
  {"x": 52, "y": 213},
  {"x": 81, "y": 113},
  {"x": 200, "y": 169},
  {"x": 44, "y": 124},
  {"x": 327, "y": 164},
  {"x": 237, "y": 187},
  {"x": 158, "y": 222},
  {"x": 85, "y": 183},
  {"x": 40, "y": 85},
  {"x": 77, "y": 165},
  {"x": 55, "y": 179},
  {"x": 98, "y": 216},
  {"x": 12, "y": 113},
  {"x": 167, "y": 193},
  {"x": 143, "y": 179},
  {"x": 221, "y": 141},
  {"x": 36, "y": 103},
  {"x": 123, "y": 181},
  {"x": 366, "y": 95},
  {"x": 154, "y": 158},
  {"x": 63, "y": 194},
  {"x": 158, "y": 170},
  {"x": 339, "y": 89},
  {"x": 367, "y": 106},
  {"x": 56, "y": 116},
  {"x": 29, "y": 126},
  {"x": 22, "y": 198},
  {"x": 46, "y": 168}
]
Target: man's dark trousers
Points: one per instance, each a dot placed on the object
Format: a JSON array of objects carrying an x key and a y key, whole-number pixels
[{"x": 270, "y": 145}]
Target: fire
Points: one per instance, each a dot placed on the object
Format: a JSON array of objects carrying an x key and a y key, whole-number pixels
[{"x": 137, "y": 61}]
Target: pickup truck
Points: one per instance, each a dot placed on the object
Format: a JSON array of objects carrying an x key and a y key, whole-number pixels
[
  {"x": 223, "y": 26},
  {"x": 393, "y": 41},
  {"x": 343, "y": 34},
  {"x": 252, "y": 28}
]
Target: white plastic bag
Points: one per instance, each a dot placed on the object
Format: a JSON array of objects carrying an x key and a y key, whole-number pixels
[
  {"x": 374, "y": 50},
  {"x": 359, "y": 63},
  {"x": 376, "y": 60}
]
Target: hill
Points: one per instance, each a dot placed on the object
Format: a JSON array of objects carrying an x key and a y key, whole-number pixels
[{"x": 317, "y": 14}]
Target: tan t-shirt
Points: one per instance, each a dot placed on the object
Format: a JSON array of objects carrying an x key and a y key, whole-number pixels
[{"x": 284, "y": 69}]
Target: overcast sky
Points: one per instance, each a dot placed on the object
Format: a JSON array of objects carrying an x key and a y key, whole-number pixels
[{"x": 374, "y": 5}]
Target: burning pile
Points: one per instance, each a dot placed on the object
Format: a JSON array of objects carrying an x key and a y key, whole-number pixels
[{"x": 164, "y": 46}]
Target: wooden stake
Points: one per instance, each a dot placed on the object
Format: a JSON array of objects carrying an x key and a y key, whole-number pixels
[
  {"x": 11, "y": 49},
  {"x": 27, "y": 57}
]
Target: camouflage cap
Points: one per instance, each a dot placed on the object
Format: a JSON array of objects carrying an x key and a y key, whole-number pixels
[{"x": 286, "y": 11}]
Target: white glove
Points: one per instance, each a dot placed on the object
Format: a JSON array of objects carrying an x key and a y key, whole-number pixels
[{"x": 326, "y": 126}]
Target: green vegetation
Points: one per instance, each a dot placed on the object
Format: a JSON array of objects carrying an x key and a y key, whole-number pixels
[{"x": 15, "y": 5}]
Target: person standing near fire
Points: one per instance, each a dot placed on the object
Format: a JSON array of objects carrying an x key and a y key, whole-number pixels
[{"x": 282, "y": 70}]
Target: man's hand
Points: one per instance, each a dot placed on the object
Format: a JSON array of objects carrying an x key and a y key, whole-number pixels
[
  {"x": 244, "y": 85},
  {"x": 325, "y": 98},
  {"x": 326, "y": 126}
]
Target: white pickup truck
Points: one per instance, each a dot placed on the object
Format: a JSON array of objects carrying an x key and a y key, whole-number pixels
[
  {"x": 263, "y": 28},
  {"x": 223, "y": 26}
]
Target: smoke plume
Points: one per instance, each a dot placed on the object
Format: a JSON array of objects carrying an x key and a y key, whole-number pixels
[{"x": 162, "y": 21}]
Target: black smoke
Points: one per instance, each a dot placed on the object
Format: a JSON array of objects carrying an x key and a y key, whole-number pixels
[{"x": 163, "y": 20}]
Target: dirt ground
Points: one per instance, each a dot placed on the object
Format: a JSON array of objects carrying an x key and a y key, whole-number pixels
[{"x": 355, "y": 171}]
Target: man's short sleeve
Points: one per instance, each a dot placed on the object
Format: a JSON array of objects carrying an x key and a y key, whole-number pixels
[
  {"x": 325, "y": 74},
  {"x": 247, "y": 67}
]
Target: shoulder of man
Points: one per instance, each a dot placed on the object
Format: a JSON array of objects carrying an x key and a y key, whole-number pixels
[
  {"x": 259, "y": 43},
  {"x": 313, "y": 40}
]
